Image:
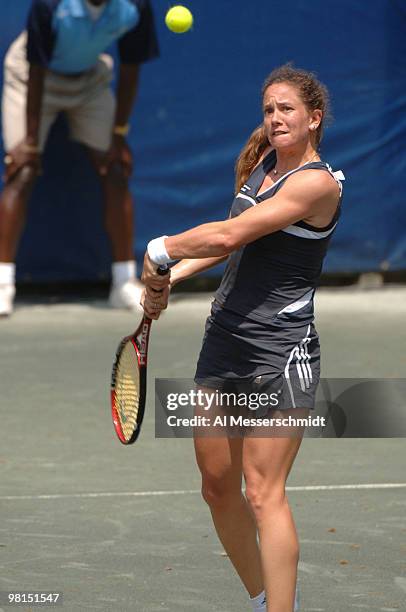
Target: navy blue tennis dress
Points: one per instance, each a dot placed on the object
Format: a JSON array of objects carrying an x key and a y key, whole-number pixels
[{"x": 260, "y": 330}]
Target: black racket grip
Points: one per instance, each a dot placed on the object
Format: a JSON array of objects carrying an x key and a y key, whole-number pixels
[{"x": 162, "y": 270}]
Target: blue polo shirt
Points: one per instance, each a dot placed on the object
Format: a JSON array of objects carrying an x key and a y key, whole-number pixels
[{"x": 63, "y": 37}]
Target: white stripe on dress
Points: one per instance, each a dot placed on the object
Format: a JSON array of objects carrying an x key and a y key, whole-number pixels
[
  {"x": 305, "y": 233},
  {"x": 287, "y": 376},
  {"x": 295, "y": 352},
  {"x": 245, "y": 197},
  {"x": 301, "y": 303},
  {"x": 307, "y": 363},
  {"x": 300, "y": 370}
]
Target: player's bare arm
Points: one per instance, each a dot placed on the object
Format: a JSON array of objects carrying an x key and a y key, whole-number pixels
[
  {"x": 34, "y": 102},
  {"x": 127, "y": 90},
  {"x": 27, "y": 152},
  {"x": 187, "y": 268},
  {"x": 184, "y": 269},
  {"x": 307, "y": 194}
]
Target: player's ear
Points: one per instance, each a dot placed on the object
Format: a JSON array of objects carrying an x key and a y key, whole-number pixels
[{"x": 315, "y": 119}]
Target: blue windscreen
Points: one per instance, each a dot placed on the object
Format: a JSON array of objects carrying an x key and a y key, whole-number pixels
[{"x": 197, "y": 105}]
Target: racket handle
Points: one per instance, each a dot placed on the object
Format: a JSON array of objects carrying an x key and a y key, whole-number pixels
[{"x": 162, "y": 270}]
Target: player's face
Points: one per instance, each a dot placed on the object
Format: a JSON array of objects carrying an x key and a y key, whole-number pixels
[{"x": 286, "y": 118}]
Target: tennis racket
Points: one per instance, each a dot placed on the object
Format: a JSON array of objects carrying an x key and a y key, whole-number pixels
[{"x": 129, "y": 381}]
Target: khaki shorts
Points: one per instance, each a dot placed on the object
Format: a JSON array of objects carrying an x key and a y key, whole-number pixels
[{"x": 87, "y": 101}]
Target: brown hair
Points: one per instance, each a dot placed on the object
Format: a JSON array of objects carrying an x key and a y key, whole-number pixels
[{"x": 314, "y": 95}]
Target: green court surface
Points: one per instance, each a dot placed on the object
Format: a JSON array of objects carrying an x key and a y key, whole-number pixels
[{"x": 124, "y": 529}]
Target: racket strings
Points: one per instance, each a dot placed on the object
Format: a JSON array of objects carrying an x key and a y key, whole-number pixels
[{"x": 127, "y": 396}]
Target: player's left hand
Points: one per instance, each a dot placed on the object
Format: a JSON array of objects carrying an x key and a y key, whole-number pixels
[
  {"x": 154, "y": 302},
  {"x": 119, "y": 153}
]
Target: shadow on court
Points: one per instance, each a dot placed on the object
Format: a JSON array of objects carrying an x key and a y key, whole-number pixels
[{"x": 120, "y": 529}]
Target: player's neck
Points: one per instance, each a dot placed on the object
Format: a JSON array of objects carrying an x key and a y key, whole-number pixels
[{"x": 289, "y": 160}]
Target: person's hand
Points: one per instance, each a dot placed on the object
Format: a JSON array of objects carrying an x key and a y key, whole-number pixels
[
  {"x": 154, "y": 302},
  {"x": 120, "y": 154},
  {"x": 150, "y": 276},
  {"x": 24, "y": 154}
]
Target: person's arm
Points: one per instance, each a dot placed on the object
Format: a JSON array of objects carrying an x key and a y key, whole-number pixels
[
  {"x": 186, "y": 268},
  {"x": 27, "y": 153},
  {"x": 305, "y": 194},
  {"x": 40, "y": 44},
  {"x": 154, "y": 303},
  {"x": 127, "y": 90},
  {"x": 135, "y": 47},
  {"x": 34, "y": 103},
  {"x": 181, "y": 271}
]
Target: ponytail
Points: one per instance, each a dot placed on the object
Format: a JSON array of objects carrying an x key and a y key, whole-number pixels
[{"x": 250, "y": 155}]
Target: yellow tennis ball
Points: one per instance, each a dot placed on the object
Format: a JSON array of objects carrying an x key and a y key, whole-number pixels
[{"x": 179, "y": 19}]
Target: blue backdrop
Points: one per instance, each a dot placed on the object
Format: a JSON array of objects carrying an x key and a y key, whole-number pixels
[{"x": 197, "y": 105}]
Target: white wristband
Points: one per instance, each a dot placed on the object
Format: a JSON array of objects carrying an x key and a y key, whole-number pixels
[{"x": 157, "y": 251}]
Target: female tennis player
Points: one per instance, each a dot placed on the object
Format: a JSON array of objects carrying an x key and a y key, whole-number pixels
[{"x": 261, "y": 330}]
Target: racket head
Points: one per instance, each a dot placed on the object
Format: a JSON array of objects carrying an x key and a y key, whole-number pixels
[
  {"x": 129, "y": 384},
  {"x": 129, "y": 380}
]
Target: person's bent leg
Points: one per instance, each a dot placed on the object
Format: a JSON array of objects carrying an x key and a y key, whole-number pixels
[
  {"x": 220, "y": 462},
  {"x": 126, "y": 290},
  {"x": 118, "y": 213},
  {"x": 13, "y": 204},
  {"x": 266, "y": 466}
]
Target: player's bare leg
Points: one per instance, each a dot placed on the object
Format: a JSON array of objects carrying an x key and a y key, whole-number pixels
[
  {"x": 119, "y": 222},
  {"x": 220, "y": 462},
  {"x": 266, "y": 464},
  {"x": 13, "y": 204}
]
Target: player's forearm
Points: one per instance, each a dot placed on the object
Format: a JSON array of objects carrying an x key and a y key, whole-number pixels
[
  {"x": 190, "y": 267},
  {"x": 208, "y": 240},
  {"x": 126, "y": 92},
  {"x": 34, "y": 102}
]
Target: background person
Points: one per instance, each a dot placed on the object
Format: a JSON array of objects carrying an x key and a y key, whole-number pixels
[
  {"x": 55, "y": 66},
  {"x": 261, "y": 326}
]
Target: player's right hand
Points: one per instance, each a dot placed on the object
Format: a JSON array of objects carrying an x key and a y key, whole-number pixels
[{"x": 20, "y": 156}]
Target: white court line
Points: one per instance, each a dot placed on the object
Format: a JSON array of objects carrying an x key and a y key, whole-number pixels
[{"x": 395, "y": 485}]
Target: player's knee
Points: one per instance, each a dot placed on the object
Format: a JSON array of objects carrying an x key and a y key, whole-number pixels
[
  {"x": 264, "y": 499},
  {"x": 25, "y": 178},
  {"x": 117, "y": 176},
  {"x": 217, "y": 494}
]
